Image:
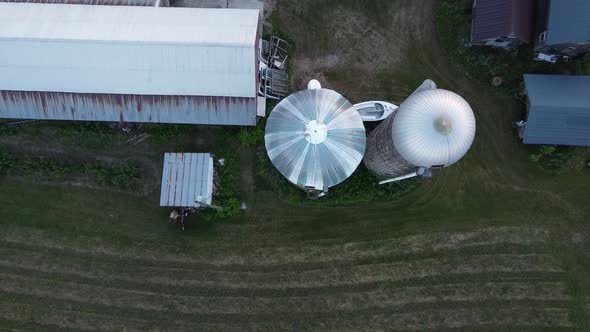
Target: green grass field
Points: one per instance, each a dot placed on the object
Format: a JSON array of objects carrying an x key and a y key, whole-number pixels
[{"x": 492, "y": 243}]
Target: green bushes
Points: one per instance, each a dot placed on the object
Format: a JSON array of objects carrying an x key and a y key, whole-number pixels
[
  {"x": 551, "y": 157},
  {"x": 252, "y": 136},
  {"x": 165, "y": 133},
  {"x": 362, "y": 187},
  {"x": 10, "y": 164},
  {"x": 583, "y": 67},
  {"x": 86, "y": 134},
  {"x": 229, "y": 185},
  {"x": 108, "y": 175},
  {"x": 231, "y": 207},
  {"x": 117, "y": 176}
]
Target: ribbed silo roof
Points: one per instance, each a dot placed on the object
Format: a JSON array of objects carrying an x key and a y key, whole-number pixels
[
  {"x": 315, "y": 138},
  {"x": 433, "y": 128}
]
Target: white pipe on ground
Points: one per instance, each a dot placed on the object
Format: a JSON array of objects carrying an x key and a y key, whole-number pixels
[{"x": 399, "y": 178}]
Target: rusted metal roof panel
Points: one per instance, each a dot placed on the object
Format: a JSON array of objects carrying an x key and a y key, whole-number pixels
[
  {"x": 186, "y": 178},
  {"x": 128, "y": 108},
  {"x": 147, "y": 3},
  {"x": 128, "y": 50}
]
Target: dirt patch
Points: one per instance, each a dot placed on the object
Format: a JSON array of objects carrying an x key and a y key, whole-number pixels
[
  {"x": 354, "y": 44},
  {"x": 269, "y": 7}
]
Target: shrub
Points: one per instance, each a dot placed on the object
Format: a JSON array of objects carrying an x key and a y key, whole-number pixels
[
  {"x": 551, "y": 157},
  {"x": 253, "y": 136},
  {"x": 228, "y": 192},
  {"x": 116, "y": 176},
  {"x": 165, "y": 133},
  {"x": 231, "y": 207}
]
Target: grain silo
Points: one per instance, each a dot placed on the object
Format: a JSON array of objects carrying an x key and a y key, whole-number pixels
[
  {"x": 433, "y": 128},
  {"x": 315, "y": 138}
]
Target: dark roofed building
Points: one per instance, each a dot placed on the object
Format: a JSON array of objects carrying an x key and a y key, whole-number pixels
[
  {"x": 564, "y": 28},
  {"x": 502, "y": 23},
  {"x": 558, "y": 110}
]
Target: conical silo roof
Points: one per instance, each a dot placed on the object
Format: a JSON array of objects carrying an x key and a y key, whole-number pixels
[
  {"x": 433, "y": 128},
  {"x": 315, "y": 138}
]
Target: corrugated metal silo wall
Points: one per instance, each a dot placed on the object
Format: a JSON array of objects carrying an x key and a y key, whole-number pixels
[
  {"x": 381, "y": 156},
  {"x": 128, "y": 108},
  {"x": 146, "y": 3}
]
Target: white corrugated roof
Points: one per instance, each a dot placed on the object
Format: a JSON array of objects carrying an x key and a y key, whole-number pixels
[
  {"x": 315, "y": 138},
  {"x": 187, "y": 178},
  {"x": 128, "y": 50}
]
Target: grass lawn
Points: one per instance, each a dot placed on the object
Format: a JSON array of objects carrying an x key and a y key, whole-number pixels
[{"x": 494, "y": 242}]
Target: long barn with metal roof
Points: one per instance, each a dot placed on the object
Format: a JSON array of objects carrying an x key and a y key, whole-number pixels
[
  {"x": 152, "y": 3},
  {"x": 129, "y": 64}
]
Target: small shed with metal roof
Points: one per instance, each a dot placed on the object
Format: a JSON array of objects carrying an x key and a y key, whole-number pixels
[
  {"x": 187, "y": 180},
  {"x": 558, "y": 110}
]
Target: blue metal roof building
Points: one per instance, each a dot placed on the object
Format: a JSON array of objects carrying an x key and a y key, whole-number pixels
[
  {"x": 569, "y": 21},
  {"x": 558, "y": 110}
]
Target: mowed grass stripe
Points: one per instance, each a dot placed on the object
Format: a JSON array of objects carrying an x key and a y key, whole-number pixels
[
  {"x": 379, "y": 298},
  {"x": 84, "y": 315},
  {"x": 140, "y": 286},
  {"x": 18, "y": 325},
  {"x": 503, "y": 317},
  {"x": 73, "y": 316},
  {"x": 80, "y": 258},
  {"x": 328, "y": 277},
  {"x": 306, "y": 253}
]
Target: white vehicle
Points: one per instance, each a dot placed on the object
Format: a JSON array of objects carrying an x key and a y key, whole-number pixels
[
  {"x": 546, "y": 57},
  {"x": 375, "y": 110}
]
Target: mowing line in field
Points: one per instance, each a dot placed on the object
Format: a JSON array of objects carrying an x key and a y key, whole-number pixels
[
  {"x": 309, "y": 255},
  {"x": 194, "y": 267},
  {"x": 381, "y": 298},
  {"x": 74, "y": 318},
  {"x": 328, "y": 277},
  {"x": 85, "y": 316},
  {"x": 140, "y": 286}
]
